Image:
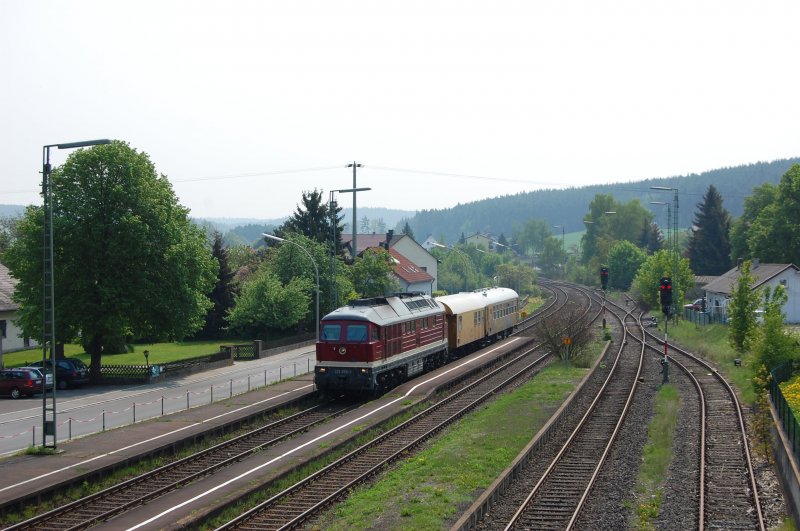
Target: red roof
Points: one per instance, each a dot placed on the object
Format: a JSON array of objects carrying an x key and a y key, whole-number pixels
[{"x": 408, "y": 270}]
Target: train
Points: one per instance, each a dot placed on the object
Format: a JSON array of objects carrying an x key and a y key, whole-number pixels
[{"x": 372, "y": 345}]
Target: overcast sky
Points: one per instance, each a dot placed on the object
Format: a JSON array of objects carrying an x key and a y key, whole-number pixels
[{"x": 244, "y": 105}]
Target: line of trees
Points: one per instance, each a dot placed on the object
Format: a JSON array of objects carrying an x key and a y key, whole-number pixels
[{"x": 131, "y": 266}]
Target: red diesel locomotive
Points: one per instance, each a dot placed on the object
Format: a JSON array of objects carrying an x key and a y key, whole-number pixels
[{"x": 374, "y": 344}]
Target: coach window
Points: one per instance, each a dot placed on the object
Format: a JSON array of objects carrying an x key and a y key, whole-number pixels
[
  {"x": 356, "y": 333},
  {"x": 331, "y": 332}
]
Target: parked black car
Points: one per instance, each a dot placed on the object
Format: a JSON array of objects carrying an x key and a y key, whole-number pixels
[{"x": 70, "y": 372}]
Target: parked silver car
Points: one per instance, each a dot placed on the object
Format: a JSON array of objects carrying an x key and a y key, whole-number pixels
[{"x": 46, "y": 375}]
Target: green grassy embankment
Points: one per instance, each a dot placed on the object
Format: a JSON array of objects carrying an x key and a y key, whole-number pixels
[{"x": 429, "y": 489}]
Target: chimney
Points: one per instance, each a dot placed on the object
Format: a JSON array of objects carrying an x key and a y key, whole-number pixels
[{"x": 389, "y": 235}]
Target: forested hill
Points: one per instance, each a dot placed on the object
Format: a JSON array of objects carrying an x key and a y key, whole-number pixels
[{"x": 568, "y": 207}]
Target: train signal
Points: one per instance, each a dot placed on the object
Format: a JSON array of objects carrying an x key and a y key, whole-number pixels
[
  {"x": 665, "y": 294},
  {"x": 604, "y": 277}
]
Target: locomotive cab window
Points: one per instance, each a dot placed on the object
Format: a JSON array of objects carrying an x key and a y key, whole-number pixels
[
  {"x": 356, "y": 332},
  {"x": 331, "y": 332}
]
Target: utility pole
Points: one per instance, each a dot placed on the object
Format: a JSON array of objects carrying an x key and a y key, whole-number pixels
[
  {"x": 334, "y": 222},
  {"x": 354, "y": 165}
]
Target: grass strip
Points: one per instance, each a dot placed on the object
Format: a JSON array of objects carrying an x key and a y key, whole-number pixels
[{"x": 656, "y": 456}]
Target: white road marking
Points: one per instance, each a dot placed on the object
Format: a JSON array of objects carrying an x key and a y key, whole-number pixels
[
  {"x": 52, "y": 472},
  {"x": 313, "y": 441}
]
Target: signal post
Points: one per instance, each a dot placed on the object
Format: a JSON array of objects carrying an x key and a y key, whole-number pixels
[
  {"x": 604, "y": 285},
  {"x": 665, "y": 297}
]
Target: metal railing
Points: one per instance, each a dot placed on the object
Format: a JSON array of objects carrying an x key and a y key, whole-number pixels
[{"x": 780, "y": 374}]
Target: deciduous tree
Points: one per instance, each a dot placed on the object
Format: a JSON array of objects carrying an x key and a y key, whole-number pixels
[
  {"x": 372, "y": 273},
  {"x": 128, "y": 260},
  {"x": 742, "y": 306},
  {"x": 624, "y": 261},
  {"x": 265, "y": 303},
  {"x": 770, "y": 229},
  {"x": 661, "y": 264},
  {"x": 775, "y": 345}
]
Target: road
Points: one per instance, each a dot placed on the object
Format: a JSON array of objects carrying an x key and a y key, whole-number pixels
[{"x": 92, "y": 409}]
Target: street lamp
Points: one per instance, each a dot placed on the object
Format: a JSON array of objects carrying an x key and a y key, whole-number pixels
[
  {"x": 48, "y": 285},
  {"x": 316, "y": 271},
  {"x": 674, "y": 235},
  {"x": 563, "y": 252}
]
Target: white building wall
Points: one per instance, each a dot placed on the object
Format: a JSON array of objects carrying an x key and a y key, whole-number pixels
[
  {"x": 419, "y": 256},
  {"x": 14, "y": 338},
  {"x": 422, "y": 287},
  {"x": 791, "y": 281}
]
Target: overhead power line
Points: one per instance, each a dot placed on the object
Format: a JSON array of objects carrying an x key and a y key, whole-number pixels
[{"x": 253, "y": 174}]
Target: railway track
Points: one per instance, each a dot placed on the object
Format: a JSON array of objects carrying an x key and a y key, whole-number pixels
[
  {"x": 111, "y": 502},
  {"x": 556, "y": 499},
  {"x": 727, "y": 490},
  {"x": 306, "y": 499},
  {"x": 104, "y": 505}
]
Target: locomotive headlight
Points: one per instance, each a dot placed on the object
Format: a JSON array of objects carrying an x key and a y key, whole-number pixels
[
  {"x": 342, "y": 350},
  {"x": 323, "y": 369},
  {"x": 364, "y": 370}
]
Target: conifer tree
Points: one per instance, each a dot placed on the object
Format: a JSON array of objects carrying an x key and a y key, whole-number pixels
[
  {"x": 313, "y": 220},
  {"x": 709, "y": 244},
  {"x": 222, "y": 295}
]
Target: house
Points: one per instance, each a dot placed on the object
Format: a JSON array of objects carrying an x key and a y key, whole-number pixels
[
  {"x": 429, "y": 243},
  {"x": 485, "y": 241},
  {"x": 788, "y": 275},
  {"x": 11, "y": 336},
  {"x": 405, "y": 245},
  {"x": 481, "y": 241},
  {"x": 410, "y": 276}
]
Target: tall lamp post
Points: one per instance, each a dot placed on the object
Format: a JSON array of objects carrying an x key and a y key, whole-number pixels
[
  {"x": 48, "y": 287},
  {"x": 674, "y": 238},
  {"x": 563, "y": 251},
  {"x": 316, "y": 271}
]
